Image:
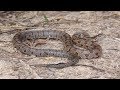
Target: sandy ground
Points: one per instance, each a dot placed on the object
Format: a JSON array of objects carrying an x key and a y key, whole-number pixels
[{"x": 14, "y": 65}]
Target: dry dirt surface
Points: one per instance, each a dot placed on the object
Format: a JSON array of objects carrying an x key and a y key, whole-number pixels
[{"x": 15, "y": 65}]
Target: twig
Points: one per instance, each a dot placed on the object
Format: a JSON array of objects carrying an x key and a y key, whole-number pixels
[
  {"x": 113, "y": 49},
  {"x": 98, "y": 69},
  {"x": 11, "y": 31}
]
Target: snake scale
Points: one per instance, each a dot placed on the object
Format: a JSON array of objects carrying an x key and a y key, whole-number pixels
[{"x": 80, "y": 39}]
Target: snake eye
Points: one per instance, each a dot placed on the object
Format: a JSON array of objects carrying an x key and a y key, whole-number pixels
[
  {"x": 24, "y": 51},
  {"x": 97, "y": 54},
  {"x": 31, "y": 52},
  {"x": 78, "y": 41}
]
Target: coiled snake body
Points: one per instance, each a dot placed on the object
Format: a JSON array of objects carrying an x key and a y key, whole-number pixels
[{"x": 81, "y": 39}]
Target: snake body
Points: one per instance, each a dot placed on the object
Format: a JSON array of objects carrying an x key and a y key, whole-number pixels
[{"x": 79, "y": 39}]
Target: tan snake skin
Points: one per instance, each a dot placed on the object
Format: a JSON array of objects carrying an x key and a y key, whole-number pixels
[{"x": 80, "y": 39}]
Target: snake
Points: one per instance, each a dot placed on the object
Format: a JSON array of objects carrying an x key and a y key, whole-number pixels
[{"x": 80, "y": 39}]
